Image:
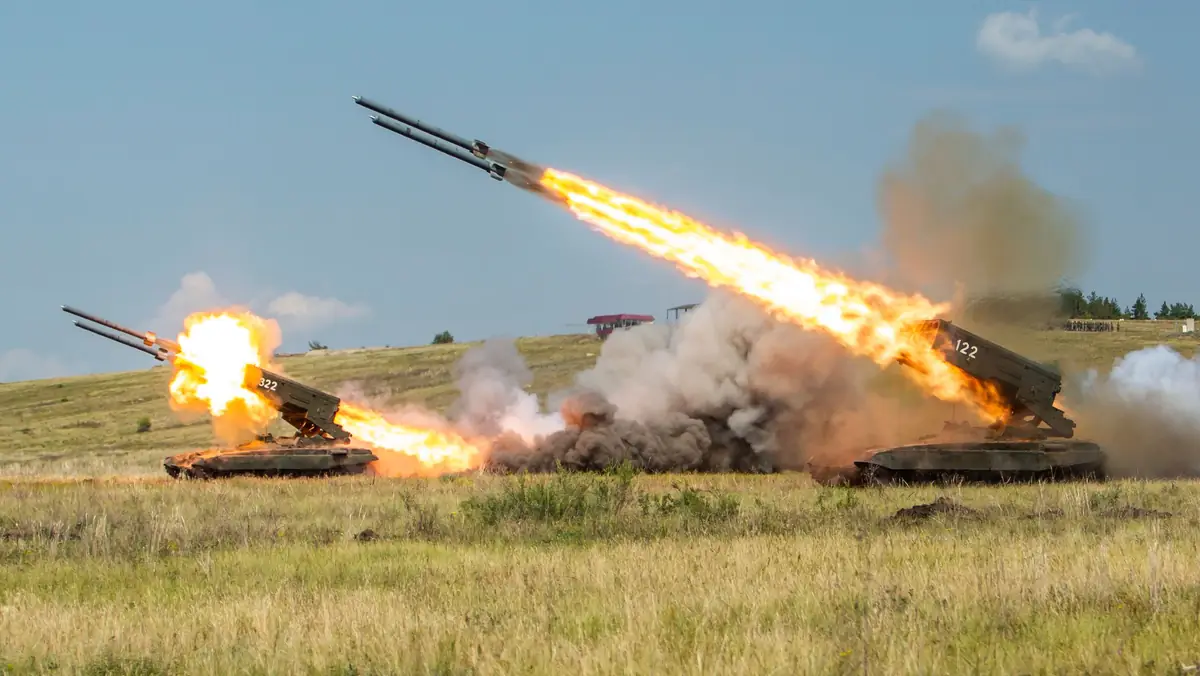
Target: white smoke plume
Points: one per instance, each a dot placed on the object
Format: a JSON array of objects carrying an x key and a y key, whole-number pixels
[
  {"x": 492, "y": 381},
  {"x": 1146, "y": 413}
]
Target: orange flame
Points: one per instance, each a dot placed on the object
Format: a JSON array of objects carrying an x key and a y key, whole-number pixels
[
  {"x": 868, "y": 319},
  {"x": 216, "y": 369},
  {"x": 408, "y": 451}
]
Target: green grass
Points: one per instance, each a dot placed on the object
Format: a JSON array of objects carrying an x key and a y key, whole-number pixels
[{"x": 109, "y": 567}]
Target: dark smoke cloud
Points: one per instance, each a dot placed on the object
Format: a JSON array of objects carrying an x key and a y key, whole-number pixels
[
  {"x": 728, "y": 389},
  {"x": 963, "y": 221},
  {"x": 594, "y": 438}
]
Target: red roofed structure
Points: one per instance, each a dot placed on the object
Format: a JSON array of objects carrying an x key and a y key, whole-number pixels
[{"x": 606, "y": 324}]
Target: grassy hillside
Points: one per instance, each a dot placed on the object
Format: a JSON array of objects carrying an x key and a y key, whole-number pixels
[{"x": 88, "y": 425}]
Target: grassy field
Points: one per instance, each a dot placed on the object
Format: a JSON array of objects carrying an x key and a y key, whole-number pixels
[
  {"x": 596, "y": 575},
  {"x": 108, "y": 567}
]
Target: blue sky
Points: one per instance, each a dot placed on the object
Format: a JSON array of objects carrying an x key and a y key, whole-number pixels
[{"x": 156, "y": 157}]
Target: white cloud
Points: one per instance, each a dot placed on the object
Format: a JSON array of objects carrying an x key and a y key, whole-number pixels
[
  {"x": 1016, "y": 41},
  {"x": 197, "y": 292},
  {"x": 310, "y": 311},
  {"x": 25, "y": 364}
]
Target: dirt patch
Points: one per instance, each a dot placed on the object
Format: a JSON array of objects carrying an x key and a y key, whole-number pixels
[
  {"x": 54, "y": 531},
  {"x": 1053, "y": 513},
  {"x": 939, "y": 506},
  {"x": 84, "y": 425},
  {"x": 1128, "y": 512},
  {"x": 832, "y": 476}
]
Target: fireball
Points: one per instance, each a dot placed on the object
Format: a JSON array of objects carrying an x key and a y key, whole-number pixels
[{"x": 213, "y": 367}]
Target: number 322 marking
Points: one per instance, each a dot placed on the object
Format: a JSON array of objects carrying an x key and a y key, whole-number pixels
[
  {"x": 265, "y": 384},
  {"x": 966, "y": 348}
]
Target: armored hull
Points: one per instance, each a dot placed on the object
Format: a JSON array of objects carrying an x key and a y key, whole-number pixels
[
  {"x": 983, "y": 461},
  {"x": 976, "y": 460},
  {"x": 986, "y": 461},
  {"x": 269, "y": 460}
]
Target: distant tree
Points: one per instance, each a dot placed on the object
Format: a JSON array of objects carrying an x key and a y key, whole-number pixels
[
  {"x": 314, "y": 345},
  {"x": 1180, "y": 311},
  {"x": 1112, "y": 309},
  {"x": 1100, "y": 307},
  {"x": 143, "y": 425},
  {"x": 443, "y": 338},
  {"x": 1139, "y": 310},
  {"x": 1073, "y": 305}
]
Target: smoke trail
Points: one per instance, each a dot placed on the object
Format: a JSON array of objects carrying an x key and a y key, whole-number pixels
[{"x": 1146, "y": 413}]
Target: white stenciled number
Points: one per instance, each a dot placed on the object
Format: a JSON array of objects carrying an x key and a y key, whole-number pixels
[
  {"x": 966, "y": 348},
  {"x": 266, "y": 384}
]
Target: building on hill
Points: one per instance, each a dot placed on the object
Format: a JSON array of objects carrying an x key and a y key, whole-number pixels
[{"x": 606, "y": 324}]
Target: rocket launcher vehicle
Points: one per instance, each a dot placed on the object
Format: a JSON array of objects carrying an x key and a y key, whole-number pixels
[
  {"x": 319, "y": 447},
  {"x": 1032, "y": 441}
]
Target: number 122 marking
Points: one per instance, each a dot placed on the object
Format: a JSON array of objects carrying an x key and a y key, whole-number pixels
[{"x": 966, "y": 348}]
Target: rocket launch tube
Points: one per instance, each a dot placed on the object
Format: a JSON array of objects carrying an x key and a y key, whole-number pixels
[
  {"x": 148, "y": 338},
  {"x": 159, "y": 354},
  {"x": 496, "y": 170},
  {"x": 470, "y": 146},
  {"x": 103, "y": 322}
]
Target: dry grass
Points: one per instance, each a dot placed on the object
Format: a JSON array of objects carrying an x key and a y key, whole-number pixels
[
  {"x": 595, "y": 575},
  {"x": 611, "y": 574}
]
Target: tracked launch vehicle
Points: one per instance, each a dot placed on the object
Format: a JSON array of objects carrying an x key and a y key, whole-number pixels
[
  {"x": 320, "y": 447},
  {"x": 1033, "y": 440}
]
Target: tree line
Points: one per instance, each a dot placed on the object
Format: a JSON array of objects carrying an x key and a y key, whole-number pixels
[{"x": 1075, "y": 305}]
